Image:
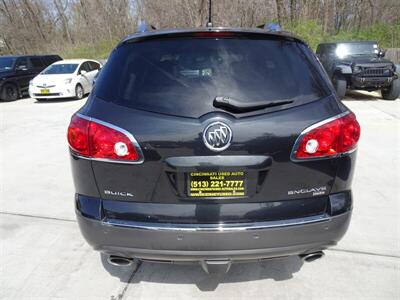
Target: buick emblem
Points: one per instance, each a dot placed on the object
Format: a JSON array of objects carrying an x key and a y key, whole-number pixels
[{"x": 217, "y": 136}]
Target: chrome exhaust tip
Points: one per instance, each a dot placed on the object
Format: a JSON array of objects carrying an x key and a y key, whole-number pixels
[
  {"x": 119, "y": 261},
  {"x": 312, "y": 256}
]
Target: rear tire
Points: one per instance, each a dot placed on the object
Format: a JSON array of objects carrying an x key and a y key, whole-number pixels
[
  {"x": 79, "y": 93},
  {"x": 392, "y": 92},
  {"x": 340, "y": 86},
  {"x": 9, "y": 92}
]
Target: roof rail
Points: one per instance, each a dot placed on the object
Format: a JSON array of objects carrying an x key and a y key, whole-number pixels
[
  {"x": 144, "y": 27},
  {"x": 274, "y": 27}
]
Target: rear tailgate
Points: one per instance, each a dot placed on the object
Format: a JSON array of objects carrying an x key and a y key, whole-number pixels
[
  {"x": 173, "y": 148},
  {"x": 162, "y": 91}
]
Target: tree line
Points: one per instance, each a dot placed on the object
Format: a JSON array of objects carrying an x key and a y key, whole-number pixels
[{"x": 44, "y": 26}]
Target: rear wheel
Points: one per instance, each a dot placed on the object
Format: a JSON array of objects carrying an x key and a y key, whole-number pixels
[
  {"x": 79, "y": 93},
  {"x": 9, "y": 92},
  {"x": 392, "y": 92},
  {"x": 340, "y": 86}
]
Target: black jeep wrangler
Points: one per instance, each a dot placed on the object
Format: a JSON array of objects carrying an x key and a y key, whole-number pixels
[{"x": 361, "y": 66}]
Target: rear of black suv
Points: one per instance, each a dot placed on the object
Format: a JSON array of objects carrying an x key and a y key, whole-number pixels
[{"x": 212, "y": 145}]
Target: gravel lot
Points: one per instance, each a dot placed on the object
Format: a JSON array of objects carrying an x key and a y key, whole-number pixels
[{"x": 43, "y": 255}]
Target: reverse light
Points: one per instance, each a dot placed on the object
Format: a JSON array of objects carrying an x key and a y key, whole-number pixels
[
  {"x": 328, "y": 138},
  {"x": 121, "y": 149},
  {"x": 102, "y": 141},
  {"x": 312, "y": 146}
]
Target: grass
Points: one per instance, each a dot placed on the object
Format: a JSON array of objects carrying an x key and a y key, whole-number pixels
[{"x": 98, "y": 50}]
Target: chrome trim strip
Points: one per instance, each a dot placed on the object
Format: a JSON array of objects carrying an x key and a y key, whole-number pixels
[
  {"x": 215, "y": 227},
  {"x": 308, "y": 129},
  {"x": 128, "y": 134}
]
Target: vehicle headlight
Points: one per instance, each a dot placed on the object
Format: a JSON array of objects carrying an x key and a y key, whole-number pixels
[
  {"x": 357, "y": 69},
  {"x": 68, "y": 80}
]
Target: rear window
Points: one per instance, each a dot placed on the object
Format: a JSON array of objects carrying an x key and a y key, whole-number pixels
[{"x": 183, "y": 76}]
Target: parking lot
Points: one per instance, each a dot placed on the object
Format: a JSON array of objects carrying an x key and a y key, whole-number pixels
[{"x": 43, "y": 255}]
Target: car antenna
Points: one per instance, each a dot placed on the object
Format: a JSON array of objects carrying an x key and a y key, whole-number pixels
[{"x": 209, "y": 23}]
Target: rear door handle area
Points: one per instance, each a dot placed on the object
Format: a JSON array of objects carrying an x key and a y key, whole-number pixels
[{"x": 216, "y": 162}]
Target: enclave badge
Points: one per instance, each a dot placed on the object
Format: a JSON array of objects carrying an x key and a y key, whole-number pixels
[{"x": 217, "y": 136}]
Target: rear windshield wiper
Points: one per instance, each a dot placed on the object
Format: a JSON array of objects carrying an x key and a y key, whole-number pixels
[{"x": 238, "y": 106}]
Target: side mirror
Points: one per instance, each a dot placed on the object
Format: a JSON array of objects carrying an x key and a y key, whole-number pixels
[
  {"x": 381, "y": 53},
  {"x": 22, "y": 68},
  {"x": 82, "y": 72}
]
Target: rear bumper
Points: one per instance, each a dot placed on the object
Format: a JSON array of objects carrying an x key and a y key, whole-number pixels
[{"x": 185, "y": 242}]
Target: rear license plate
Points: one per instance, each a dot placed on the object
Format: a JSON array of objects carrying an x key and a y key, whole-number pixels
[
  {"x": 217, "y": 184},
  {"x": 44, "y": 91}
]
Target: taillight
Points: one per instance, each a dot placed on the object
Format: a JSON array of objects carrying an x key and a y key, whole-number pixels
[
  {"x": 328, "y": 138},
  {"x": 78, "y": 135},
  {"x": 99, "y": 140}
]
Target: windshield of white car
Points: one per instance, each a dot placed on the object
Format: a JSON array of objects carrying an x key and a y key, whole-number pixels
[
  {"x": 60, "y": 69},
  {"x": 6, "y": 63}
]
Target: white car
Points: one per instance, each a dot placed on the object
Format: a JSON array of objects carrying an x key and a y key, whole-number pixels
[{"x": 65, "y": 79}]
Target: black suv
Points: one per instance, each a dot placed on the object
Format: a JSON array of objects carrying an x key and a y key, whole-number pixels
[
  {"x": 361, "y": 66},
  {"x": 212, "y": 145},
  {"x": 17, "y": 71}
]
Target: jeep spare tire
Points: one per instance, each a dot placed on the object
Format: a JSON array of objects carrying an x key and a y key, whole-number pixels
[
  {"x": 340, "y": 86},
  {"x": 393, "y": 91}
]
